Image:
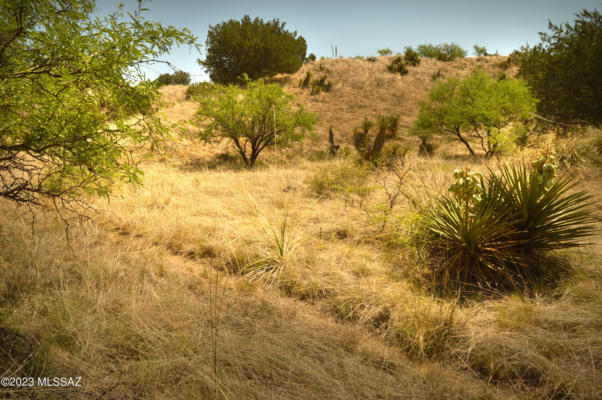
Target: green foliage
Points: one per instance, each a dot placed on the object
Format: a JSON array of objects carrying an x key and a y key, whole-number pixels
[
  {"x": 474, "y": 107},
  {"x": 564, "y": 70},
  {"x": 361, "y": 137},
  {"x": 493, "y": 231},
  {"x": 304, "y": 84},
  {"x": 321, "y": 85},
  {"x": 70, "y": 113},
  {"x": 250, "y": 117},
  {"x": 442, "y": 52},
  {"x": 177, "y": 78},
  {"x": 200, "y": 89},
  {"x": 349, "y": 180},
  {"x": 480, "y": 51},
  {"x": 397, "y": 66},
  {"x": 310, "y": 58},
  {"x": 385, "y": 52},
  {"x": 257, "y": 48},
  {"x": 411, "y": 57}
]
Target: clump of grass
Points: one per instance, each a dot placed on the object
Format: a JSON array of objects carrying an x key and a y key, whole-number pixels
[
  {"x": 280, "y": 244},
  {"x": 347, "y": 179}
]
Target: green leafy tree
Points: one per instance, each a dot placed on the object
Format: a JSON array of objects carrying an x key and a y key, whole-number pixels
[
  {"x": 480, "y": 51},
  {"x": 74, "y": 104},
  {"x": 177, "y": 78},
  {"x": 477, "y": 106},
  {"x": 253, "y": 47},
  {"x": 442, "y": 52},
  {"x": 565, "y": 70},
  {"x": 411, "y": 57},
  {"x": 253, "y": 118},
  {"x": 385, "y": 52}
]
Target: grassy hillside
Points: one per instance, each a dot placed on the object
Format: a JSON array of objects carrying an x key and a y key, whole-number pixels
[{"x": 159, "y": 296}]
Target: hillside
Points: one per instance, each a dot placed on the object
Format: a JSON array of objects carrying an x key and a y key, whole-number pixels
[{"x": 164, "y": 293}]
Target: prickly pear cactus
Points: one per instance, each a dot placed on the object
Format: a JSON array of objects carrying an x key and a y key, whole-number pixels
[
  {"x": 544, "y": 168},
  {"x": 468, "y": 187}
]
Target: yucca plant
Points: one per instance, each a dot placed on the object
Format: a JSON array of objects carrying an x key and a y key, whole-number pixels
[
  {"x": 471, "y": 239},
  {"x": 495, "y": 231},
  {"x": 280, "y": 243},
  {"x": 547, "y": 211}
]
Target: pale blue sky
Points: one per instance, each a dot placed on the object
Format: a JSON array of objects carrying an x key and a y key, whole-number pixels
[{"x": 363, "y": 27}]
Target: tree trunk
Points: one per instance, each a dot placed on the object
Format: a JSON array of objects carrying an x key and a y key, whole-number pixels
[{"x": 459, "y": 135}]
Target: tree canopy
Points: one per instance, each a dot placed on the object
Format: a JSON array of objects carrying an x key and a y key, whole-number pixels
[
  {"x": 73, "y": 101},
  {"x": 254, "y": 47},
  {"x": 477, "y": 106},
  {"x": 565, "y": 69},
  {"x": 176, "y": 78},
  {"x": 253, "y": 117}
]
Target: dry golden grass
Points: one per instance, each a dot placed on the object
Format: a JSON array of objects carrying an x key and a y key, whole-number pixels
[{"x": 127, "y": 302}]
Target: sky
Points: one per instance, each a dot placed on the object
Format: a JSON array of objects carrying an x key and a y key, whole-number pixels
[{"x": 360, "y": 28}]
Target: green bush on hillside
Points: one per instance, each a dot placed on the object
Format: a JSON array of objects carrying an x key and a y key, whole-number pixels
[
  {"x": 253, "y": 47},
  {"x": 411, "y": 57},
  {"x": 397, "y": 66},
  {"x": 177, "y": 78},
  {"x": 200, "y": 89},
  {"x": 442, "y": 52}
]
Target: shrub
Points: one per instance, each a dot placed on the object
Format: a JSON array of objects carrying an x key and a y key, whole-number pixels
[
  {"x": 321, "y": 85},
  {"x": 361, "y": 139},
  {"x": 347, "y": 179},
  {"x": 257, "y": 48},
  {"x": 200, "y": 89},
  {"x": 385, "y": 52},
  {"x": 477, "y": 106},
  {"x": 70, "y": 82},
  {"x": 177, "y": 78},
  {"x": 480, "y": 51},
  {"x": 252, "y": 117},
  {"x": 310, "y": 58},
  {"x": 411, "y": 57},
  {"x": 304, "y": 84},
  {"x": 442, "y": 52},
  {"x": 397, "y": 66},
  {"x": 564, "y": 69},
  {"x": 493, "y": 231}
]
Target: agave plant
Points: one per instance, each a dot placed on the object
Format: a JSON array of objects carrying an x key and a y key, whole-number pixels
[
  {"x": 550, "y": 214},
  {"x": 473, "y": 246},
  {"x": 494, "y": 230}
]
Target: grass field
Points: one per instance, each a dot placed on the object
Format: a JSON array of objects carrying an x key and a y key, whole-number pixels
[{"x": 211, "y": 281}]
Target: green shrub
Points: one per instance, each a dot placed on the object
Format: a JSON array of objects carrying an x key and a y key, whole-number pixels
[
  {"x": 397, "y": 66},
  {"x": 256, "y": 47},
  {"x": 564, "y": 70},
  {"x": 200, "y": 89},
  {"x": 411, "y": 57},
  {"x": 348, "y": 179},
  {"x": 480, "y": 51},
  {"x": 442, "y": 52},
  {"x": 177, "y": 78},
  {"x": 310, "y": 58},
  {"x": 321, "y": 85},
  {"x": 385, "y": 52},
  {"x": 252, "y": 117},
  {"x": 361, "y": 138},
  {"x": 304, "y": 84},
  {"x": 495, "y": 231}
]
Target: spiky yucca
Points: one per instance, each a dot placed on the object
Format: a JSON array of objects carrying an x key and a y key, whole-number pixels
[{"x": 500, "y": 239}]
